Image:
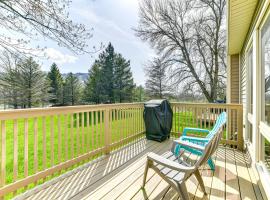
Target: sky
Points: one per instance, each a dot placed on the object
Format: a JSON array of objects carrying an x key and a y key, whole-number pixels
[{"x": 112, "y": 21}]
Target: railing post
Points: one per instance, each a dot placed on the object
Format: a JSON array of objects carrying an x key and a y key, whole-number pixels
[
  {"x": 240, "y": 141},
  {"x": 107, "y": 131}
]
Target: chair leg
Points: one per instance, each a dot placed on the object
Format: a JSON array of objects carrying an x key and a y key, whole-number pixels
[
  {"x": 199, "y": 178},
  {"x": 211, "y": 164},
  {"x": 183, "y": 191},
  {"x": 148, "y": 163}
]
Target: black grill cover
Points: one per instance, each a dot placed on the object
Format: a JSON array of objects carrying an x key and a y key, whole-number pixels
[{"x": 158, "y": 119}]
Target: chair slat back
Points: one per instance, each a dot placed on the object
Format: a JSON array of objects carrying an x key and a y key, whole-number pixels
[
  {"x": 210, "y": 148},
  {"x": 221, "y": 120}
]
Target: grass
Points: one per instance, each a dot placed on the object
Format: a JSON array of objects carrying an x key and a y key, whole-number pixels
[{"x": 188, "y": 119}]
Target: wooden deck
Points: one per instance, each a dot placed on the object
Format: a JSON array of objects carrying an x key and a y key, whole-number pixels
[{"x": 119, "y": 176}]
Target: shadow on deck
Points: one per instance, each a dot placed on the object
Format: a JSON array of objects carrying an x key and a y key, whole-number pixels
[{"x": 119, "y": 176}]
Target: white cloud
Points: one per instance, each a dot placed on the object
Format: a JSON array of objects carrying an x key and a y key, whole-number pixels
[
  {"x": 87, "y": 13},
  {"x": 58, "y": 57},
  {"x": 103, "y": 23}
]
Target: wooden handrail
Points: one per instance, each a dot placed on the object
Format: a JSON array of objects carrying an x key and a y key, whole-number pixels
[{"x": 57, "y": 138}]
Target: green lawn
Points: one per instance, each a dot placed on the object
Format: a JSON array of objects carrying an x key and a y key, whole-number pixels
[{"x": 188, "y": 119}]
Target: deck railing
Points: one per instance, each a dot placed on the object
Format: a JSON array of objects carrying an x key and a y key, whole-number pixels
[
  {"x": 204, "y": 116},
  {"x": 37, "y": 144}
]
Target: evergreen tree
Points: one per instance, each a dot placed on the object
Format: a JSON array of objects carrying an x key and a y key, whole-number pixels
[
  {"x": 123, "y": 80},
  {"x": 93, "y": 85},
  {"x": 106, "y": 60},
  {"x": 34, "y": 83},
  {"x": 109, "y": 79},
  {"x": 72, "y": 90},
  {"x": 10, "y": 86},
  {"x": 56, "y": 85}
]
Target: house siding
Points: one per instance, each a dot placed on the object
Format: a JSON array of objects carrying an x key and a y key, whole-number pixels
[{"x": 234, "y": 78}]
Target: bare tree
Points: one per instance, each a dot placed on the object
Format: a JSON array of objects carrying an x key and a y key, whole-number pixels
[
  {"x": 47, "y": 18},
  {"x": 156, "y": 83},
  {"x": 190, "y": 34}
]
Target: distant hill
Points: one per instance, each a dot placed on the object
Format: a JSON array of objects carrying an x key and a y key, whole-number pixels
[{"x": 81, "y": 76}]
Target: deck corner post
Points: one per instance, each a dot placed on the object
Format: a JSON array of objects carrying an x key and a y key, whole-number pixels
[
  {"x": 107, "y": 131},
  {"x": 240, "y": 140}
]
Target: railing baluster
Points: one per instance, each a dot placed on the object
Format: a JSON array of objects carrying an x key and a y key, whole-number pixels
[
  {"x": 240, "y": 140},
  {"x": 25, "y": 147},
  {"x": 101, "y": 127},
  {"x": 72, "y": 134},
  {"x": 178, "y": 121},
  {"x": 87, "y": 132},
  {"x": 137, "y": 120},
  {"x": 66, "y": 136},
  {"x": 114, "y": 130},
  {"x": 96, "y": 129},
  {"x": 211, "y": 117},
  {"x": 122, "y": 124},
  {"x": 59, "y": 140},
  {"x": 196, "y": 116},
  {"x": 116, "y": 122},
  {"x": 204, "y": 118},
  {"x": 128, "y": 122},
  {"x": 180, "y": 126},
  {"x": 141, "y": 119},
  {"x": 92, "y": 130},
  {"x": 175, "y": 116},
  {"x": 78, "y": 134},
  {"x": 52, "y": 139},
  {"x": 83, "y": 135},
  {"x": 35, "y": 145},
  {"x": 193, "y": 116},
  {"x": 15, "y": 150},
  {"x": 3, "y": 153},
  {"x": 44, "y": 149},
  {"x": 184, "y": 116},
  {"x": 133, "y": 121},
  {"x": 107, "y": 132},
  {"x": 201, "y": 116},
  {"x": 125, "y": 122}
]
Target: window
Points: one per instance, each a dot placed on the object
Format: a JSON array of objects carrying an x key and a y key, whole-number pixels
[
  {"x": 266, "y": 153},
  {"x": 250, "y": 80},
  {"x": 249, "y": 93},
  {"x": 266, "y": 72}
]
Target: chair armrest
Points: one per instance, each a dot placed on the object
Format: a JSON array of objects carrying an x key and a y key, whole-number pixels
[
  {"x": 168, "y": 163},
  {"x": 190, "y": 144},
  {"x": 196, "y": 139},
  {"x": 196, "y": 130}
]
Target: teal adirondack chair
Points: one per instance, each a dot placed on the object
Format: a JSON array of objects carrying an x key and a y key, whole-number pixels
[{"x": 221, "y": 121}]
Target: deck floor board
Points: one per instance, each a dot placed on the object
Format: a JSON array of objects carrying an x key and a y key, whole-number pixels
[{"x": 119, "y": 176}]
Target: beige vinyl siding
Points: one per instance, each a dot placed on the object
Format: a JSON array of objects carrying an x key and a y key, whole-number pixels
[{"x": 234, "y": 78}]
